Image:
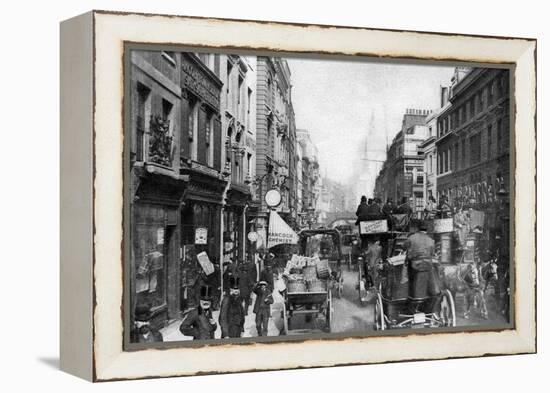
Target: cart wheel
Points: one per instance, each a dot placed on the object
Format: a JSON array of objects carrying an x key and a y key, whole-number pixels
[
  {"x": 359, "y": 284},
  {"x": 379, "y": 321},
  {"x": 447, "y": 312},
  {"x": 329, "y": 313},
  {"x": 285, "y": 319}
]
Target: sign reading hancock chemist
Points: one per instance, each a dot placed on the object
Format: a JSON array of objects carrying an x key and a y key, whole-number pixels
[{"x": 233, "y": 168}]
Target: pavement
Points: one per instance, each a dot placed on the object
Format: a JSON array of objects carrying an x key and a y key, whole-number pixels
[
  {"x": 172, "y": 333},
  {"x": 349, "y": 315}
]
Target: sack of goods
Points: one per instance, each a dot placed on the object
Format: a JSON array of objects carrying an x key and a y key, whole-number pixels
[
  {"x": 310, "y": 272},
  {"x": 397, "y": 260},
  {"x": 296, "y": 285},
  {"x": 317, "y": 286},
  {"x": 323, "y": 269}
]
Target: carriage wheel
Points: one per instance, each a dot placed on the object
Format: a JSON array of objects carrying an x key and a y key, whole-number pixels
[
  {"x": 447, "y": 312},
  {"x": 285, "y": 319},
  {"x": 359, "y": 283},
  {"x": 379, "y": 321},
  {"x": 328, "y": 312}
]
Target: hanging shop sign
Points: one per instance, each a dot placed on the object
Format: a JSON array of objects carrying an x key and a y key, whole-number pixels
[
  {"x": 273, "y": 198},
  {"x": 279, "y": 231},
  {"x": 201, "y": 235},
  {"x": 205, "y": 263}
]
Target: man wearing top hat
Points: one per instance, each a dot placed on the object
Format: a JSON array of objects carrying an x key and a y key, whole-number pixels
[
  {"x": 262, "y": 307},
  {"x": 232, "y": 313},
  {"x": 198, "y": 322}
]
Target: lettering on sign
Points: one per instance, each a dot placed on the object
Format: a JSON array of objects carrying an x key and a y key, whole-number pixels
[
  {"x": 374, "y": 226},
  {"x": 443, "y": 225}
]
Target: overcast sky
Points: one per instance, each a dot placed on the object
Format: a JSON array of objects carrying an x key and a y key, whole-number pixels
[{"x": 336, "y": 100}]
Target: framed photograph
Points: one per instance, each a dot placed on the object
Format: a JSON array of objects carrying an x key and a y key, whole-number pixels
[{"x": 243, "y": 195}]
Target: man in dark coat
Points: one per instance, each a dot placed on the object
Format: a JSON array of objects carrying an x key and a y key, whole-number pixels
[
  {"x": 267, "y": 274},
  {"x": 198, "y": 322},
  {"x": 262, "y": 307},
  {"x": 232, "y": 313},
  {"x": 362, "y": 210},
  {"x": 422, "y": 279},
  {"x": 144, "y": 332},
  {"x": 245, "y": 286}
]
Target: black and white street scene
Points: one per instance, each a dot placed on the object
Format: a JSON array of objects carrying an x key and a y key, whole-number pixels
[{"x": 273, "y": 196}]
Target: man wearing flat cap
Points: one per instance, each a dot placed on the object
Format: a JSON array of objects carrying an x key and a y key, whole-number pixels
[
  {"x": 198, "y": 322},
  {"x": 262, "y": 307}
]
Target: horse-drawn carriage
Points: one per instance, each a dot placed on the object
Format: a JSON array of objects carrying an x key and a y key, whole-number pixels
[
  {"x": 310, "y": 280},
  {"x": 389, "y": 285}
]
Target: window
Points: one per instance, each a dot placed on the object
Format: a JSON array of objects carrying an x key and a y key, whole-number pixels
[
  {"x": 419, "y": 179},
  {"x": 489, "y": 140},
  {"x": 166, "y": 109},
  {"x": 480, "y": 101},
  {"x": 455, "y": 156},
  {"x": 171, "y": 56},
  {"x": 204, "y": 57},
  {"x": 463, "y": 153},
  {"x": 228, "y": 77},
  {"x": 209, "y": 140},
  {"x": 499, "y": 136},
  {"x": 192, "y": 128},
  {"x": 475, "y": 148},
  {"x": 142, "y": 96},
  {"x": 472, "y": 108},
  {"x": 490, "y": 93}
]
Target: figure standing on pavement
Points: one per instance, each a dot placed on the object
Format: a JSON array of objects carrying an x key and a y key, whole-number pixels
[
  {"x": 245, "y": 286},
  {"x": 198, "y": 322},
  {"x": 262, "y": 307},
  {"x": 423, "y": 283},
  {"x": 145, "y": 334},
  {"x": 232, "y": 313}
]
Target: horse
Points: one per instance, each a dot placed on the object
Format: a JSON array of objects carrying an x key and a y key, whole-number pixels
[{"x": 465, "y": 279}]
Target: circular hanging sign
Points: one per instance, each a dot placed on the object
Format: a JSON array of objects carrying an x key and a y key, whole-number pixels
[
  {"x": 273, "y": 198},
  {"x": 252, "y": 236}
]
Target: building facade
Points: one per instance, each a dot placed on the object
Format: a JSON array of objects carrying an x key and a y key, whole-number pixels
[
  {"x": 275, "y": 140},
  {"x": 310, "y": 179},
  {"x": 156, "y": 185},
  {"x": 238, "y": 122},
  {"x": 402, "y": 174},
  {"x": 473, "y": 142}
]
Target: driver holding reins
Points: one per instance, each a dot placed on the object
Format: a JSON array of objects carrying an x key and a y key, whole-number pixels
[{"x": 422, "y": 281}]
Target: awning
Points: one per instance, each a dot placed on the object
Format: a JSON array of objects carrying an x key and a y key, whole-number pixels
[{"x": 279, "y": 231}]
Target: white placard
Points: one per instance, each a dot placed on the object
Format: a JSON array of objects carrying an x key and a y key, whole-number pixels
[
  {"x": 205, "y": 263},
  {"x": 443, "y": 225},
  {"x": 374, "y": 226},
  {"x": 201, "y": 235}
]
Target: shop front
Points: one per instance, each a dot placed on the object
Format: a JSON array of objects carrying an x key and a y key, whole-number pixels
[
  {"x": 200, "y": 226},
  {"x": 154, "y": 253}
]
